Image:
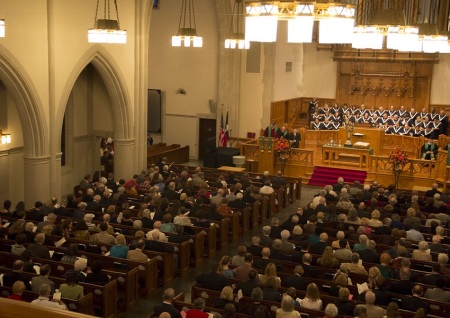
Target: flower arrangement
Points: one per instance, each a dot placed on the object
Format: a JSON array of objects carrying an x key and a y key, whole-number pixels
[
  {"x": 398, "y": 157},
  {"x": 282, "y": 146}
]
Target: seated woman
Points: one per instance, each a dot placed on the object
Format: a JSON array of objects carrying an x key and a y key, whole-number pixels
[
  {"x": 312, "y": 298},
  {"x": 120, "y": 250},
  {"x": 88, "y": 217},
  {"x": 270, "y": 271},
  {"x": 71, "y": 255},
  {"x": 423, "y": 253},
  {"x": 71, "y": 289},
  {"x": 287, "y": 308},
  {"x": 81, "y": 231},
  {"x": 328, "y": 259},
  {"x": 344, "y": 305},
  {"x": 270, "y": 291},
  {"x": 256, "y": 309},
  {"x": 97, "y": 277},
  {"x": 374, "y": 221},
  {"x": 167, "y": 225},
  {"x": 238, "y": 259},
  {"x": 223, "y": 267},
  {"x": 93, "y": 247},
  {"x": 18, "y": 248},
  {"x": 226, "y": 297},
  {"x": 339, "y": 281}
]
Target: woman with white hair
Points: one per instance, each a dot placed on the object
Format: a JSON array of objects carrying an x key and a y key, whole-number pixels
[
  {"x": 443, "y": 260},
  {"x": 88, "y": 217},
  {"x": 422, "y": 254}
]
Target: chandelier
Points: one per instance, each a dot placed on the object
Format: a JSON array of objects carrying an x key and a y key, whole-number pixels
[
  {"x": 236, "y": 37},
  {"x": 106, "y": 30},
  {"x": 2, "y": 28},
  {"x": 187, "y": 31},
  {"x": 336, "y": 20},
  {"x": 389, "y": 23}
]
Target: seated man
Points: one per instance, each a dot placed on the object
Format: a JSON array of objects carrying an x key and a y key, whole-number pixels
[{"x": 429, "y": 150}]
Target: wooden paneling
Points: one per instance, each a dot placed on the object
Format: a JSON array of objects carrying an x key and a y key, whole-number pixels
[{"x": 383, "y": 78}]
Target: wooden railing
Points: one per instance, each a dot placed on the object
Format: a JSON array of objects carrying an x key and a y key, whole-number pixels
[
  {"x": 417, "y": 172},
  {"x": 235, "y": 142},
  {"x": 173, "y": 153}
]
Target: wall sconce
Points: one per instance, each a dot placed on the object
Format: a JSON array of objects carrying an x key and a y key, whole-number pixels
[{"x": 6, "y": 138}]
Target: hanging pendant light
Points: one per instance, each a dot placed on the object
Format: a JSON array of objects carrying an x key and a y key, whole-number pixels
[
  {"x": 106, "y": 30},
  {"x": 2, "y": 28},
  {"x": 236, "y": 38},
  {"x": 187, "y": 30}
]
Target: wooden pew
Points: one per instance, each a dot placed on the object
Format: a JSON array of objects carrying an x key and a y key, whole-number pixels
[
  {"x": 104, "y": 296},
  {"x": 127, "y": 279},
  {"x": 84, "y": 305},
  {"x": 14, "y": 309}
]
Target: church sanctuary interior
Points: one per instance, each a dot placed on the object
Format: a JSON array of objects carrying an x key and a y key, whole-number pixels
[{"x": 224, "y": 158}]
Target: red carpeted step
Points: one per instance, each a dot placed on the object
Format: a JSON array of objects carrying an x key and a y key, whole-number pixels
[{"x": 323, "y": 176}]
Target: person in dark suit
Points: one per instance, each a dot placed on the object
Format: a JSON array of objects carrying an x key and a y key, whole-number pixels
[
  {"x": 430, "y": 279},
  {"x": 270, "y": 292},
  {"x": 265, "y": 239},
  {"x": 37, "y": 249},
  {"x": 370, "y": 254},
  {"x": 309, "y": 270},
  {"x": 10, "y": 278},
  {"x": 319, "y": 247},
  {"x": 147, "y": 223},
  {"x": 255, "y": 249},
  {"x": 261, "y": 263},
  {"x": 35, "y": 214},
  {"x": 239, "y": 203},
  {"x": 212, "y": 280},
  {"x": 433, "y": 191},
  {"x": 414, "y": 302},
  {"x": 212, "y": 213},
  {"x": 170, "y": 194},
  {"x": 296, "y": 280},
  {"x": 404, "y": 286},
  {"x": 275, "y": 229},
  {"x": 337, "y": 187},
  {"x": 94, "y": 205},
  {"x": 167, "y": 304},
  {"x": 278, "y": 180},
  {"x": 155, "y": 245},
  {"x": 247, "y": 286},
  {"x": 295, "y": 138}
]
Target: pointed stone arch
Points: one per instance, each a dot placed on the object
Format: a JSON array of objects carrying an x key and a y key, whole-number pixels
[
  {"x": 115, "y": 86},
  {"x": 29, "y": 106}
]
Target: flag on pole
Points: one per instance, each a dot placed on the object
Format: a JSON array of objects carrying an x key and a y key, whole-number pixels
[
  {"x": 221, "y": 132},
  {"x": 226, "y": 133}
]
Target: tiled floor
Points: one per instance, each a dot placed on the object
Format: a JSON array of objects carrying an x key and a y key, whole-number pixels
[{"x": 184, "y": 283}]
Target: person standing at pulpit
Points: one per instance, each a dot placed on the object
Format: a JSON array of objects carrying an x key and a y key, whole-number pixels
[
  {"x": 429, "y": 150},
  {"x": 272, "y": 130},
  {"x": 283, "y": 133},
  {"x": 294, "y": 138},
  {"x": 313, "y": 107}
]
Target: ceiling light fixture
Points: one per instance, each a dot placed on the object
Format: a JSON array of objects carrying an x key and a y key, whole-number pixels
[
  {"x": 187, "y": 30},
  {"x": 236, "y": 39},
  {"x": 106, "y": 30}
]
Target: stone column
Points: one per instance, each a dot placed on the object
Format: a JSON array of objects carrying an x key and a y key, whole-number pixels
[
  {"x": 36, "y": 179},
  {"x": 125, "y": 159}
]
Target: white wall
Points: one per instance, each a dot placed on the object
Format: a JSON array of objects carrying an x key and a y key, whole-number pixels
[
  {"x": 440, "y": 94},
  {"x": 193, "y": 69}
]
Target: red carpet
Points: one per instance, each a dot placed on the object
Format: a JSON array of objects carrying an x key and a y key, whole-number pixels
[{"x": 323, "y": 176}]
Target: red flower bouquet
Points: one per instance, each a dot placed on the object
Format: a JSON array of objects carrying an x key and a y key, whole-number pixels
[
  {"x": 282, "y": 146},
  {"x": 398, "y": 157}
]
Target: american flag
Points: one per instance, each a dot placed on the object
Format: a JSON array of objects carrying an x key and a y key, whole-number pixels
[{"x": 223, "y": 132}]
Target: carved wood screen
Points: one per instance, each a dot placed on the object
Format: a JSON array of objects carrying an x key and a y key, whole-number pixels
[{"x": 383, "y": 78}]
